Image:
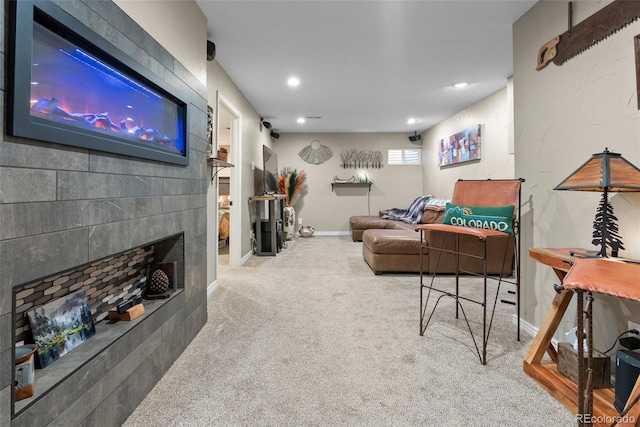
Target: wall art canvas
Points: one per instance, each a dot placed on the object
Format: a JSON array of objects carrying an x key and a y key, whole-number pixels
[
  {"x": 463, "y": 146},
  {"x": 60, "y": 326}
]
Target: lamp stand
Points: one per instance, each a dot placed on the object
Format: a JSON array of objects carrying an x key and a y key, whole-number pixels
[{"x": 605, "y": 229}]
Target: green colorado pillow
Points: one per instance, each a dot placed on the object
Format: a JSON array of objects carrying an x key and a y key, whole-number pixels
[{"x": 488, "y": 217}]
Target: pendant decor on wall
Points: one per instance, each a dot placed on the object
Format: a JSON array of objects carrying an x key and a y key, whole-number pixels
[
  {"x": 211, "y": 121},
  {"x": 315, "y": 153},
  {"x": 353, "y": 158}
]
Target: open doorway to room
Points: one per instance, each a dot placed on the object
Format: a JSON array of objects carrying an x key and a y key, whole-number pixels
[
  {"x": 228, "y": 182},
  {"x": 225, "y": 120}
]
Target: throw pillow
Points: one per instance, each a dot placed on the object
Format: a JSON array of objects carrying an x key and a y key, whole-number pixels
[{"x": 488, "y": 217}]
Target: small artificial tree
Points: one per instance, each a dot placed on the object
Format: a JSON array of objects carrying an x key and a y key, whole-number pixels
[{"x": 605, "y": 229}]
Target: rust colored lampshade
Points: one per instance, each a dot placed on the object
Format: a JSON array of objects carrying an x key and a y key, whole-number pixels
[{"x": 604, "y": 172}]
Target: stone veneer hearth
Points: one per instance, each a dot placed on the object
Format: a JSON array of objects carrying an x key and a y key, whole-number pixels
[
  {"x": 105, "y": 282},
  {"x": 62, "y": 207}
]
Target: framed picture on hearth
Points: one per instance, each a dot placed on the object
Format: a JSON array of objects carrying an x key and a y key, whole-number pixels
[{"x": 60, "y": 326}]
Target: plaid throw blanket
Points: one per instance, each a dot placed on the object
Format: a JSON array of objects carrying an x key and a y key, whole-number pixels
[{"x": 412, "y": 215}]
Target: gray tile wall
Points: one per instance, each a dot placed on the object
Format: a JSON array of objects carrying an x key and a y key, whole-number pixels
[{"x": 63, "y": 206}]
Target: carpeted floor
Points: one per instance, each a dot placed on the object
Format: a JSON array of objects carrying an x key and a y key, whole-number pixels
[{"x": 313, "y": 337}]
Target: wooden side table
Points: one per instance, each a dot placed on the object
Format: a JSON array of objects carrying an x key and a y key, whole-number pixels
[
  {"x": 546, "y": 373},
  {"x": 604, "y": 276}
]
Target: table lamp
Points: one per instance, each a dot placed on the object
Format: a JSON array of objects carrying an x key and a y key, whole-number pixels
[{"x": 604, "y": 172}]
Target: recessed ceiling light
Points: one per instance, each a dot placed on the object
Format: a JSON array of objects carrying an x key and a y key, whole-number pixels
[
  {"x": 301, "y": 120},
  {"x": 293, "y": 81},
  {"x": 460, "y": 85},
  {"x": 412, "y": 121}
]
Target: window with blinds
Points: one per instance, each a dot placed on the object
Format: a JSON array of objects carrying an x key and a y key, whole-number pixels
[{"x": 404, "y": 156}]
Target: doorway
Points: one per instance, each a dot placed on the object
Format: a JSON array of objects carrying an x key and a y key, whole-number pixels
[
  {"x": 229, "y": 183},
  {"x": 225, "y": 121}
]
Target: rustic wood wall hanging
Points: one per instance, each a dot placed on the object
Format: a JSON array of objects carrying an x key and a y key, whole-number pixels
[{"x": 607, "y": 21}]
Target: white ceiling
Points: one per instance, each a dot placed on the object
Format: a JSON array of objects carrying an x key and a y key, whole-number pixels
[{"x": 364, "y": 66}]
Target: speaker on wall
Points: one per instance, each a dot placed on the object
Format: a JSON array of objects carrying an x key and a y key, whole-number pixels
[
  {"x": 211, "y": 50},
  {"x": 415, "y": 138},
  {"x": 627, "y": 371},
  {"x": 265, "y": 123}
]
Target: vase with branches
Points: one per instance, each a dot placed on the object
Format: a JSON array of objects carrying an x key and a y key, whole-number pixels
[{"x": 292, "y": 184}]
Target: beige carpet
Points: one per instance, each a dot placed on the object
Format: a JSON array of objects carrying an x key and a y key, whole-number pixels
[{"x": 312, "y": 337}]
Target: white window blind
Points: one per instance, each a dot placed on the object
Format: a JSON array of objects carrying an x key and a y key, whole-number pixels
[{"x": 404, "y": 156}]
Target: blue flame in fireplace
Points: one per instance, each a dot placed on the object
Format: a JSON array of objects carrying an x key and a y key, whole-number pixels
[
  {"x": 76, "y": 88},
  {"x": 100, "y": 66}
]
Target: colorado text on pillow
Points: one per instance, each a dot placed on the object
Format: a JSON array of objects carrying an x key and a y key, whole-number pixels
[{"x": 488, "y": 217}]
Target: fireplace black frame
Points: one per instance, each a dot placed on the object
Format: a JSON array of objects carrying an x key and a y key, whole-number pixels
[{"x": 20, "y": 123}]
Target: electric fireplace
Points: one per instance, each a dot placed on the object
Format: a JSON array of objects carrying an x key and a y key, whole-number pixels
[{"x": 69, "y": 86}]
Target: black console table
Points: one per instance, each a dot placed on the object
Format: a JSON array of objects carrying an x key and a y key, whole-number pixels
[{"x": 270, "y": 227}]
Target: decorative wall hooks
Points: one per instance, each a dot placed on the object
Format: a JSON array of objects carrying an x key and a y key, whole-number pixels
[
  {"x": 353, "y": 158},
  {"x": 315, "y": 153}
]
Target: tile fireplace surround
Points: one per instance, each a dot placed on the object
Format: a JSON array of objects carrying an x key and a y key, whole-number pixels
[{"x": 62, "y": 207}]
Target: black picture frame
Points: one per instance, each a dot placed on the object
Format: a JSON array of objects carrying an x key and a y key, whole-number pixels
[
  {"x": 636, "y": 44},
  {"x": 20, "y": 121}
]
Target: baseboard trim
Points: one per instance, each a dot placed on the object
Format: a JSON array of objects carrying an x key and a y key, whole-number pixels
[
  {"x": 529, "y": 329},
  {"x": 246, "y": 258},
  {"x": 332, "y": 233},
  {"x": 212, "y": 287}
]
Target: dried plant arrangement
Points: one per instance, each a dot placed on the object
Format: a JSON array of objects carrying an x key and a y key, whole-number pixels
[{"x": 353, "y": 158}]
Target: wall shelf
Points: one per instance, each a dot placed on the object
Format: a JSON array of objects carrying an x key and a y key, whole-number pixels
[
  {"x": 217, "y": 163},
  {"x": 214, "y": 162},
  {"x": 335, "y": 185}
]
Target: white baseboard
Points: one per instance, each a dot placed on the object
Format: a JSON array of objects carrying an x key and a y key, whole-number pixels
[
  {"x": 212, "y": 287},
  {"x": 529, "y": 329},
  {"x": 246, "y": 257},
  {"x": 332, "y": 233}
]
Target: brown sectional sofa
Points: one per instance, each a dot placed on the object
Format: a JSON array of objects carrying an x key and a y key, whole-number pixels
[{"x": 390, "y": 246}]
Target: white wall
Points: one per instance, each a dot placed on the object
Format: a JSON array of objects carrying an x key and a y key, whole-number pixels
[
  {"x": 563, "y": 114},
  {"x": 252, "y": 140},
  {"x": 327, "y": 211},
  {"x": 496, "y": 162},
  {"x": 184, "y": 38}
]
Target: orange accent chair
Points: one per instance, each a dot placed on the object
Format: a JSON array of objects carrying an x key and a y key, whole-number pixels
[{"x": 444, "y": 243}]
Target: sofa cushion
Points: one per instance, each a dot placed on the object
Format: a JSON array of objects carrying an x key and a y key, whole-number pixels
[
  {"x": 399, "y": 225},
  {"x": 432, "y": 215},
  {"x": 487, "y": 217},
  {"x": 392, "y": 241},
  {"x": 365, "y": 222}
]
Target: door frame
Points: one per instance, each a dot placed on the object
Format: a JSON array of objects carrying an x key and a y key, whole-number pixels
[{"x": 235, "y": 188}]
